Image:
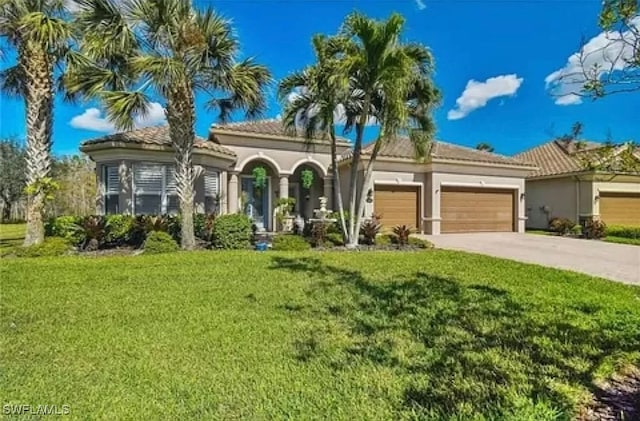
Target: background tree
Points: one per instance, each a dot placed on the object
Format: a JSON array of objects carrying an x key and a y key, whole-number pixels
[
  {"x": 612, "y": 66},
  {"x": 37, "y": 31},
  {"x": 12, "y": 175},
  {"x": 314, "y": 98},
  {"x": 132, "y": 50},
  {"x": 76, "y": 178},
  {"x": 484, "y": 146},
  {"x": 392, "y": 83}
]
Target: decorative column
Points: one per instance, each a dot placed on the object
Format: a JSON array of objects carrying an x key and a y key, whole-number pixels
[
  {"x": 232, "y": 193},
  {"x": 284, "y": 186},
  {"x": 125, "y": 197},
  {"x": 328, "y": 192}
]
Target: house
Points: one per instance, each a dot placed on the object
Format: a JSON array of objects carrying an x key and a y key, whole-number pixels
[
  {"x": 563, "y": 186},
  {"x": 455, "y": 189}
]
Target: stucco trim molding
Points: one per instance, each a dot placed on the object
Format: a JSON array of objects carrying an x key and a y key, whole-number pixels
[
  {"x": 479, "y": 185},
  {"x": 310, "y": 160},
  {"x": 260, "y": 156}
]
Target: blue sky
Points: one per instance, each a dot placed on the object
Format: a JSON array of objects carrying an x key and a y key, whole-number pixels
[{"x": 508, "y": 47}]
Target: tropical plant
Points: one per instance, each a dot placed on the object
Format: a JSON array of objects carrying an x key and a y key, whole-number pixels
[
  {"x": 306, "y": 177},
  {"x": 561, "y": 226},
  {"x": 259, "y": 177},
  {"x": 484, "y": 146},
  {"x": 39, "y": 34},
  {"x": 402, "y": 233},
  {"x": 370, "y": 229},
  {"x": 313, "y": 100},
  {"x": 286, "y": 204},
  {"x": 12, "y": 176},
  {"x": 595, "y": 229},
  {"x": 93, "y": 232},
  {"x": 130, "y": 49}
]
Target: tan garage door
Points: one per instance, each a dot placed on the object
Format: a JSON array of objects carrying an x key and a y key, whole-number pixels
[
  {"x": 397, "y": 205},
  {"x": 476, "y": 210},
  {"x": 620, "y": 208}
]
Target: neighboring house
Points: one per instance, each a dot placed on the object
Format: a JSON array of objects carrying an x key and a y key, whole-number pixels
[
  {"x": 564, "y": 187},
  {"x": 455, "y": 189}
]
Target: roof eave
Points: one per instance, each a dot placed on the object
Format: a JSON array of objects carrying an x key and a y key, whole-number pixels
[
  {"x": 297, "y": 139},
  {"x": 118, "y": 144}
]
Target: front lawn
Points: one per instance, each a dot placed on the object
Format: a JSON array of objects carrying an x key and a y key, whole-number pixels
[
  {"x": 11, "y": 236},
  {"x": 247, "y": 335}
]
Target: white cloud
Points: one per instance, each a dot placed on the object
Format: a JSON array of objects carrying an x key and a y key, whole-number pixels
[
  {"x": 92, "y": 119},
  {"x": 608, "y": 51},
  {"x": 477, "y": 94},
  {"x": 421, "y": 5}
]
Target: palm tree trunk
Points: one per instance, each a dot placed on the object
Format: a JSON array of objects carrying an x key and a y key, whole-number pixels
[
  {"x": 6, "y": 210},
  {"x": 38, "y": 72},
  {"x": 368, "y": 175},
  {"x": 337, "y": 190},
  {"x": 181, "y": 119}
]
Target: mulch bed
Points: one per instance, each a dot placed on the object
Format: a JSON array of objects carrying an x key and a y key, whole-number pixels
[{"x": 616, "y": 400}]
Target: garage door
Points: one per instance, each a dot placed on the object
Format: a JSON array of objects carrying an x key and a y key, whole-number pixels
[
  {"x": 476, "y": 210},
  {"x": 397, "y": 205},
  {"x": 620, "y": 208}
]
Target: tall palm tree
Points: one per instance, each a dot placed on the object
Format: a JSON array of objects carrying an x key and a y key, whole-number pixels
[
  {"x": 392, "y": 81},
  {"x": 484, "y": 146},
  {"x": 314, "y": 99},
  {"x": 38, "y": 32},
  {"x": 133, "y": 49}
]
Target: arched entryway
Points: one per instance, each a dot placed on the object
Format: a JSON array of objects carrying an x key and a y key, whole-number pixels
[
  {"x": 258, "y": 182},
  {"x": 306, "y": 185}
]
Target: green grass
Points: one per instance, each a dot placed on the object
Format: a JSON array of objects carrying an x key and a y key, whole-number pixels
[
  {"x": 538, "y": 232},
  {"x": 247, "y": 335},
  {"x": 11, "y": 236},
  {"x": 622, "y": 240}
]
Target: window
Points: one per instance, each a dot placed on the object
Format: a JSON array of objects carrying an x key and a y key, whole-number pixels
[
  {"x": 154, "y": 189},
  {"x": 111, "y": 179},
  {"x": 211, "y": 191}
]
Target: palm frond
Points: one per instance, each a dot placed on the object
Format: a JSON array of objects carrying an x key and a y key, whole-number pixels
[
  {"x": 12, "y": 82},
  {"x": 123, "y": 107}
]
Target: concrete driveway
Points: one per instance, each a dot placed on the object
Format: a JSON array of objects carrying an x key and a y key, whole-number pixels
[{"x": 611, "y": 261}]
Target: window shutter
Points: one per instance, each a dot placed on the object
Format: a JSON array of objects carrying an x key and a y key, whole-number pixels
[
  {"x": 148, "y": 179},
  {"x": 112, "y": 180},
  {"x": 211, "y": 183},
  {"x": 171, "y": 180}
]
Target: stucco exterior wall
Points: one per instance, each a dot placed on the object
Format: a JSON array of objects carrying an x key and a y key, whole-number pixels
[{"x": 550, "y": 198}]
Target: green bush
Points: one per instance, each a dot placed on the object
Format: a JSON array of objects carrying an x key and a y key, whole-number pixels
[
  {"x": 67, "y": 227},
  {"x": 54, "y": 246},
  {"x": 290, "y": 242},
  {"x": 203, "y": 225},
  {"x": 402, "y": 233},
  {"x": 335, "y": 239},
  {"x": 159, "y": 242},
  {"x": 319, "y": 231},
  {"x": 385, "y": 240},
  {"x": 232, "y": 231},
  {"x": 576, "y": 229},
  {"x": 561, "y": 226},
  {"x": 336, "y": 227},
  {"x": 420, "y": 243},
  {"x": 118, "y": 228},
  {"x": 623, "y": 231}
]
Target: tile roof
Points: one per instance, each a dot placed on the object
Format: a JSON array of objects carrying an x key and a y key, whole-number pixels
[
  {"x": 403, "y": 148},
  {"x": 562, "y": 156},
  {"x": 272, "y": 127},
  {"x": 157, "y": 135}
]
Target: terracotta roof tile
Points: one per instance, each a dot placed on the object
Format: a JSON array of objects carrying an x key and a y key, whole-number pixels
[
  {"x": 272, "y": 127},
  {"x": 157, "y": 135},
  {"x": 403, "y": 148}
]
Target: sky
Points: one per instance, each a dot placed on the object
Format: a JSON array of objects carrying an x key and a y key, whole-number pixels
[{"x": 495, "y": 60}]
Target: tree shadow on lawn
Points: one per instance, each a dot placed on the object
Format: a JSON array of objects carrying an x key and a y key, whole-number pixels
[{"x": 463, "y": 350}]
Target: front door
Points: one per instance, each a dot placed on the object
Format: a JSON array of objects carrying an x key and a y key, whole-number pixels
[{"x": 255, "y": 202}]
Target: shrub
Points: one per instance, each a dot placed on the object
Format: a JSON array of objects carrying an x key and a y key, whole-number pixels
[
  {"x": 384, "y": 240},
  {"x": 595, "y": 229},
  {"x": 370, "y": 230},
  {"x": 54, "y": 246},
  {"x": 576, "y": 229},
  {"x": 319, "y": 233},
  {"x": 203, "y": 225},
  {"x": 402, "y": 233},
  {"x": 561, "y": 226},
  {"x": 93, "y": 232},
  {"x": 232, "y": 231},
  {"x": 67, "y": 227},
  {"x": 290, "y": 242},
  {"x": 623, "y": 231},
  {"x": 420, "y": 243},
  {"x": 118, "y": 228},
  {"x": 335, "y": 238},
  {"x": 336, "y": 227},
  {"x": 159, "y": 242}
]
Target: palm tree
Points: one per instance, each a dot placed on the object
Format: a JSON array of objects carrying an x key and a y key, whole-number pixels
[
  {"x": 484, "y": 146},
  {"x": 392, "y": 81},
  {"x": 319, "y": 91},
  {"x": 36, "y": 29},
  {"x": 132, "y": 49}
]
